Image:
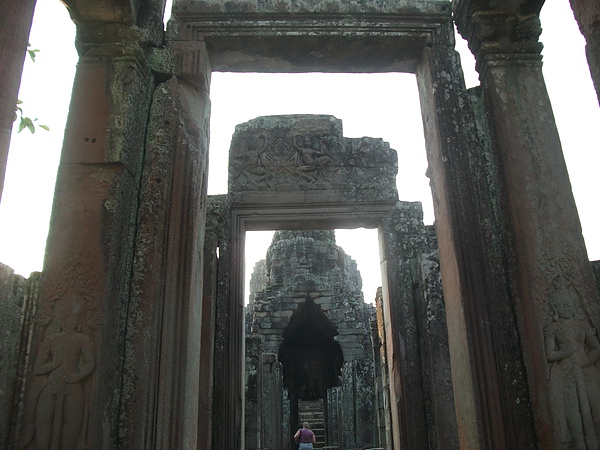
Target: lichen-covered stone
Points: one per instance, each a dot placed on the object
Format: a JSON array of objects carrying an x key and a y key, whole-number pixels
[{"x": 301, "y": 6}]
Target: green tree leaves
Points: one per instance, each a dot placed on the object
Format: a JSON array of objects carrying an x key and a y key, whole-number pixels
[{"x": 26, "y": 121}]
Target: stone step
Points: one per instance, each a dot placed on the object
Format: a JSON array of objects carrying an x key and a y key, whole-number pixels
[{"x": 312, "y": 411}]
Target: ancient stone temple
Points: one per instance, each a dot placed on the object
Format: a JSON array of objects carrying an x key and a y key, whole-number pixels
[
  {"x": 310, "y": 341},
  {"x": 309, "y": 354},
  {"x": 133, "y": 334}
]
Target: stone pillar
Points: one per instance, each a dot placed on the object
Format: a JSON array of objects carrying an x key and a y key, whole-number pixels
[
  {"x": 551, "y": 277},
  {"x": 253, "y": 433},
  {"x": 587, "y": 13},
  {"x": 228, "y": 396},
  {"x": 271, "y": 404},
  {"x": 15, "y": 22},
  {"x": 162, "y": 377},
  {"x": 207, "y": 337},
  {"x": 76, "y": 391},
  {"x": 382, "y": 376},
  {"x": 437, "y": 376},
  {"x": 161, "y": 370},
  {"x": 489, "y": 380},
  {"x": 401, "y": 241}
]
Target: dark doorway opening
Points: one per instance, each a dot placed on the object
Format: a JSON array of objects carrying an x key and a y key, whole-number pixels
[{"x": 312, "y": 361}]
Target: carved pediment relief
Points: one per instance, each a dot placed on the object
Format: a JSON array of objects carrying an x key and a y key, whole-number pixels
[{"x": 300, "y": 153}]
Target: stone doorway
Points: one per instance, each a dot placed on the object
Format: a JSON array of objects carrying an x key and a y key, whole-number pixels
[
  {"x": 312, "y": 360},
  {"x": 300, "y": 173},
  {"x": 307, "y": 317}
]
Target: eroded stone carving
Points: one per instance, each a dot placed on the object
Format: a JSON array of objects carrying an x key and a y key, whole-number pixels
[
  {"x": 292, "y": 161},
  {"x": 309, "y": 153},
  {"x": 572, "y": 349},
  {"x": 58, "y": 399},
  {"x": 66, "y": 359}
]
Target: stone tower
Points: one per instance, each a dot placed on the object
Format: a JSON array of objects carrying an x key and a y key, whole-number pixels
[{"x": 310, "y": 328}]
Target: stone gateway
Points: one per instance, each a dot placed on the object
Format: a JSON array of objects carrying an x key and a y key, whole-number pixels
[{"x": 133, "y": 334}]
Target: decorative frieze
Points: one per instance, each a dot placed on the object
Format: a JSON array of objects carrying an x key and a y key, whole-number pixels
[{"x": 291, "y": 156}]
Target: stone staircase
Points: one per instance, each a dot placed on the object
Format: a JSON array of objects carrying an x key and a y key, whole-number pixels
[{"x": 312, "y": 411}]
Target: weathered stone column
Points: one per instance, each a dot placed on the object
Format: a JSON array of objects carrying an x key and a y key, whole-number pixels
[
  {"x": 554, "y": 294},
  {"x": 75, "y": 391},
  {"x": 162, "y": 375},
  {"x": 587, "y": 13},
  {"x": 402, "y": 243},
  {"x": 271, "y": 401},
  {"x": 489, "y": 381},
  {"x": 207, "y": 337},
  {"x": 435, "y": 356},
  {"x": 162, "y": 380},
  {"x": 228, "y": 395},
  {"x": 253, "y": 419},
  {"x": 15, "y": 22},
  {"x": 382, "y": 375}
]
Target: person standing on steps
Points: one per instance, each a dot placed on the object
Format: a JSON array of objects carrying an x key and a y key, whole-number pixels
[{"x": 305, "y": 437}]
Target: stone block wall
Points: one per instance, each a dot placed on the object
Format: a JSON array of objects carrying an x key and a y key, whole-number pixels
[{"x": 18, "y": 301}]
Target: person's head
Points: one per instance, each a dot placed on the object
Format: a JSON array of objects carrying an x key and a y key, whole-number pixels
[{"x": 306, "y": 425}]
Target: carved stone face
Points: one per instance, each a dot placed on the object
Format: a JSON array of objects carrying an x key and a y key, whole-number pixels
[
  {"x": 69, "y": 318},
  {"x": 562, "y": 301},
  {"x": 69, "y": 323},
  {"x": 564, "y": 308}
]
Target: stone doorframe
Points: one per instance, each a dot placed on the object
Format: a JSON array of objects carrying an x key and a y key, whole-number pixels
[
  {"x": 419, "y": 367},
  {"x": 285, "y": 172},
  {"x": 416, "y": 38},
  {"x": 495, "y": 334}
]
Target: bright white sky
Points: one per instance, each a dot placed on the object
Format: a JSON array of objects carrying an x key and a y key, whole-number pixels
[{"x": 376, "y": 105}]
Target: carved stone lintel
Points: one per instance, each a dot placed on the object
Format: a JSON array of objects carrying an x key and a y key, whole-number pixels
[{"x": 300, "y": 153}]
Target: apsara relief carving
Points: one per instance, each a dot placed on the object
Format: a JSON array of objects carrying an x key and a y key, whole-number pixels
[
  {"x": 58, "y": 399},
  {"x": 572, "y": 351},
  {"x": 299, "y": 160},
  {"x": 285, "y": 153}
]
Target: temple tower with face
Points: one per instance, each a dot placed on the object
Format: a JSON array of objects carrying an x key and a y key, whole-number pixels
[{"x": 309, "y": 351}]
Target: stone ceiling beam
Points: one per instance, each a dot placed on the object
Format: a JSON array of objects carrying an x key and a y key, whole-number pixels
[{"x": 336, "y": 36}]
